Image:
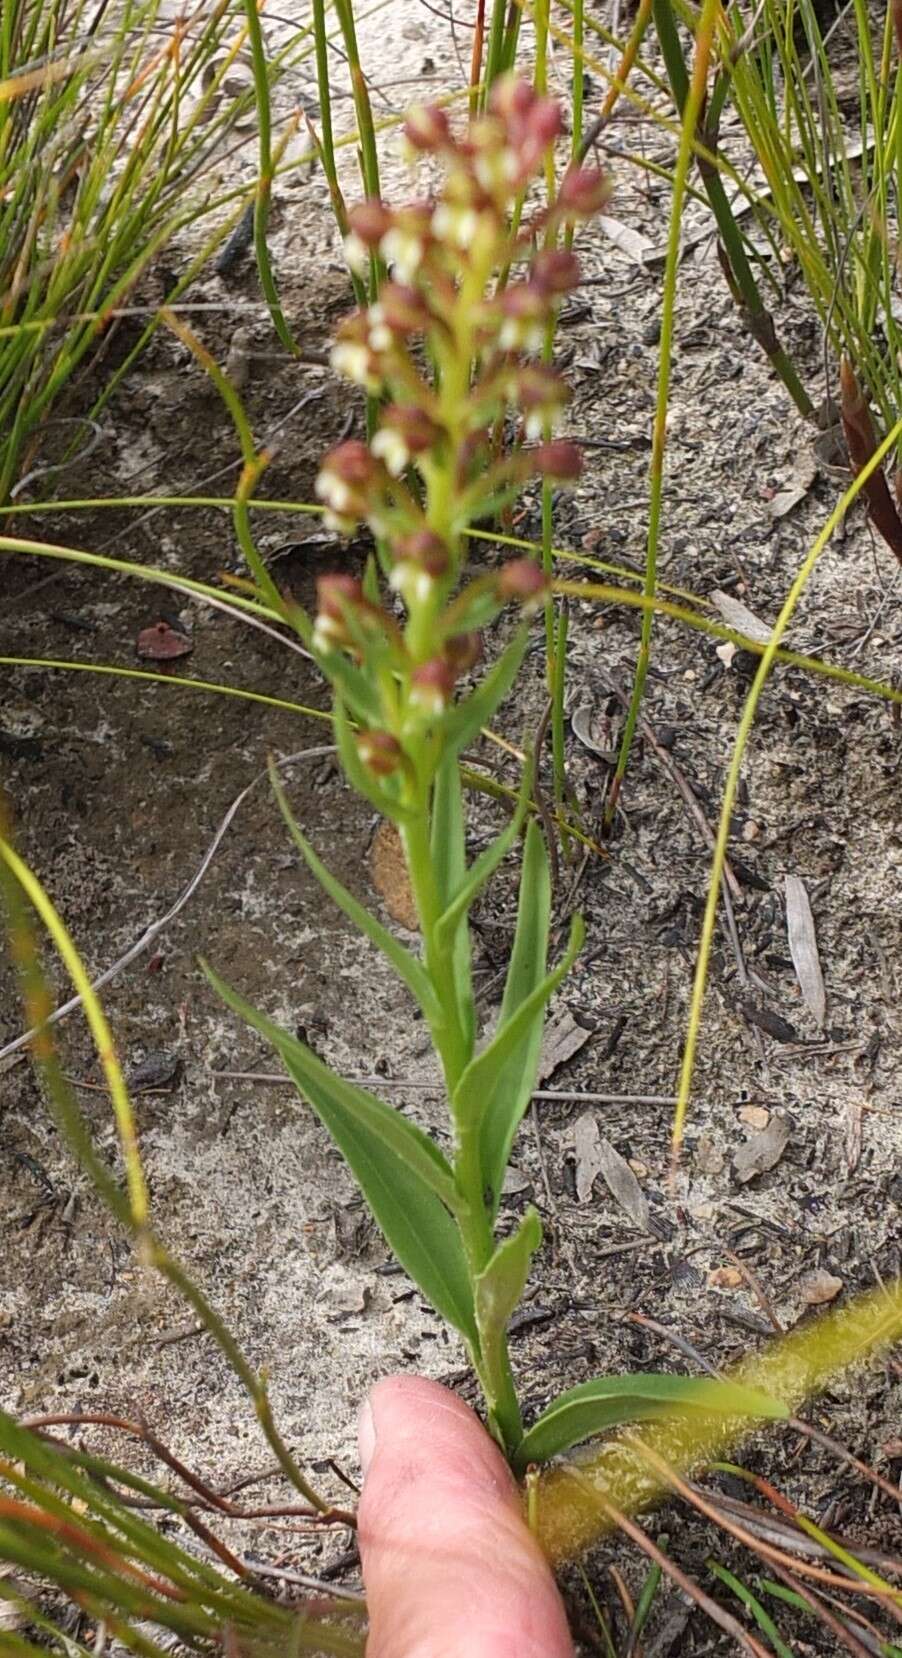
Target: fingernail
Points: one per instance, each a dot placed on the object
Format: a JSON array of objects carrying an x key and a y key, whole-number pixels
[{"x": 366, "y": 1435}]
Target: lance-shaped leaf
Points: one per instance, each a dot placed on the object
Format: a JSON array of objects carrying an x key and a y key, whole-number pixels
[
  {"x": 465, "y": 720},
  {"x": 483, "y": 868},
  {"x": 405, "y": 1179},
  {"x": 449, "y": 862},
  {"x": 609, "y": 1401},
  {"x": 406, "y": 965},
  {"x": 499, "y": 1288}
]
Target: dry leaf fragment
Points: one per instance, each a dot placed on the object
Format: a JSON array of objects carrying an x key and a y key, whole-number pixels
[
  {"x": 623, "y": 1185},
  {"x": 389, "y": 875},
  {"x": 709, "y": 1159},
  {"x": 803, "y": 947},
  {"x": 724, "y": 1278},
  {"x": 795, "y": 489},
  {"x": 754, "y": 1116},
  {"x": 763, "y": 1151},
  {"x": 588, "y": 1162},
  {"x": 854, "y": 1112},
  {"x": 562, "y": 1039},
  {"x": 626, "y": 239},
  {"x": 820, "y": 1287},
  {"x": 738, "y": 616}
]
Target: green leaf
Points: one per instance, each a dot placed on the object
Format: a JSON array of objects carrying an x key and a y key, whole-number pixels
[
  {"x": 751, "y": 1603},
  {"x": 357, "y": 774},
  {"x": 507, "y": 1101},
  {"x": 465, "y": 720},
  {"x": 449, "y": 863},
  {"x": 406, "y": 965},
  {"x": 611, "y": 1400},
  {"x": 350, "y": 685},
  {"x": 405, "y": 1179},
  {"x": 483, "y": 867},
  {"x": 500, "y": 1285},
  {"x": 480, "y": 1080}
]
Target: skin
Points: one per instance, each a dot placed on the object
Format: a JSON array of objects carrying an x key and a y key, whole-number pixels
[{"x": 450, "y": 1568}]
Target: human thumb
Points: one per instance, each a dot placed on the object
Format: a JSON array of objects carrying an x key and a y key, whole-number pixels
[{"x": 449, "y": 1566}]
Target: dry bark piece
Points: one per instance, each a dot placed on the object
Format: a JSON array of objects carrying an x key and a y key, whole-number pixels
[
  {"x": 389, "y": 876},
  {"x": 162, "y": 643},
  {"x": 820, "y": 1287},
  {"x": 780, "y": 1029},
  {"x": 803, "y": 948},
  {"x": 563, "y": 1039},
  {"x": 795, "y": 489},
  {"x": 763, "y": 1151}
]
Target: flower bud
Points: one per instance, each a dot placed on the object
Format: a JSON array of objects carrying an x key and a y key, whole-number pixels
[
  {"x": 404, "y": 244},
  {"x": 524, "y": 309},
  {"x": 462, "y": 652},
  {"x": 522, "y": 579},
  {"x": 352, "y": 354},
  {"x": 583, "y": 191},
  {"x": 368, "y": 222},
  {"x": 426, "y": 550},
  {"x": 432, "y": 685},
  {"x": 540, "y": 394},
  {"x": 405, "y": 431},
  {"x": 403, "y": 309},
  {"x": 427, "y": 128},
  {"x": 555, "y": 271},
  {"x": 335, "y": 594},
  {"x": 512, "y": 98},
  {"x": 380, "y": 752},
  {"x": 558, "y": 461}
]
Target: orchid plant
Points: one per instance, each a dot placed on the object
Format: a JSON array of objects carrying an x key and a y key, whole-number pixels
[{"x": 471, "y": 282}]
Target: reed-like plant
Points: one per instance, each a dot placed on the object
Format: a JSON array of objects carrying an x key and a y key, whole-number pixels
[{"x": 111, "y": 124}]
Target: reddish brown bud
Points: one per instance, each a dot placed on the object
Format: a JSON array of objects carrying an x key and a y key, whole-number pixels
[
  {"x": 544, "y": 123},
  {"x": 463, "y": 652},
  {"x": 427, "y": 128},
  {"x": 555, "y": 271},
  {"x": 380, "y": 752},
  {"x": 335, "y": 592},
  {"x": 584, "y": 191},
  {"x": 558, "y": 461},
  {"x": 521, "y": 579},
  {"x": 403, "y": 309},
  {"x": 511, "y": 98},
  {"x": 370, "y": 220},
  {"x": 432, "y": 685},
  {"x": 352, "y": 462},
  {"x": 426, "y": 549}
]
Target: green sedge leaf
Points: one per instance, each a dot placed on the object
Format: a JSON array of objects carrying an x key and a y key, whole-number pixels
[
  {"x": 358, "y": 776},
  {"x": 406, "y": 965},
  {"x": 405, "y": 1179},
  {"x": 449, "y": 863},
  {"x": 500, "y": 1285},
  {"x": 483, "y": 868},
  {"x": 465, "y": 720},
  {"x": 609, "y": 1401}
]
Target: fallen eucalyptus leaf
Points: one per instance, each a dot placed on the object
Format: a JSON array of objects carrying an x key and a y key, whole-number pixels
[
  {"x": 803, "y": 947},
  {"x": 738, "y": 616}
]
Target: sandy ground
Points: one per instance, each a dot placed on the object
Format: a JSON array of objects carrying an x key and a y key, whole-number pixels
[{"x": 119, "y": 790}]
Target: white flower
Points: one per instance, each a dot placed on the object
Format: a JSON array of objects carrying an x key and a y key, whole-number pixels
[
  {"x": 403, "y": 251},
  {"x": 521, "y": 334},
  {"x": 455, "y": 225},
  {"x": 537, "y": 421},
  {"x": 414, "y": 585},
  {"x": 388, "y": 445},
  {"x": 380, "y": 335},
  {"x": 333, "y": 490},
  {"x": 352, "y": 360},
  {"x": 357, "y": 254}
]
